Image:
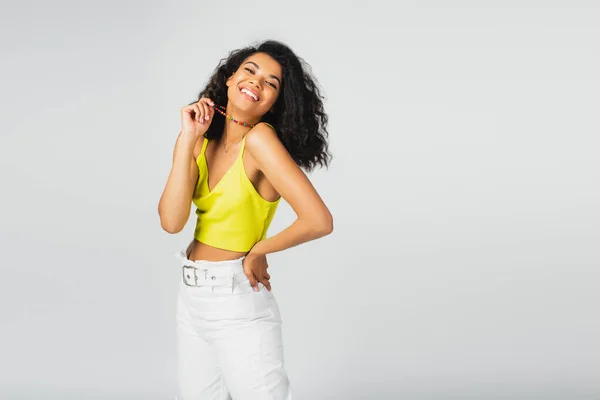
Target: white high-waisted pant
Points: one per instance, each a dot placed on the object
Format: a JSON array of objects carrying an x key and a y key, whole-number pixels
[{"x": 229, "y": 337}]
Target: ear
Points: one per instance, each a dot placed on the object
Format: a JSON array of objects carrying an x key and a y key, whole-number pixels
[{"x": 228, "y": 81}]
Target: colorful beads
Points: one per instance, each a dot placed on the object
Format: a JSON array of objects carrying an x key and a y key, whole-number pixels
[{"x": 221, "y": 110}]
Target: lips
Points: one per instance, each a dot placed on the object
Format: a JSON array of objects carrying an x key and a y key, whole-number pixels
[{"x": 247, "y": 95}]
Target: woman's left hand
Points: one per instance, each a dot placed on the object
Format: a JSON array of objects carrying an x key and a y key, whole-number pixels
[{"x": 255, "y": 268}]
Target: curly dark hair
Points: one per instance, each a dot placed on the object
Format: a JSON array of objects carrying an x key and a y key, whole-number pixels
[{"x": 298, "y": 115}]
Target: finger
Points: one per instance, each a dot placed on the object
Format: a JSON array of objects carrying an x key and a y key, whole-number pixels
[
  {"x": 266, "y": 283},
  {"x": 188, "y": 110},
  {"x": 198, "y": 112},
  {"x": 267, "y": 275},
  {"x": 253, "y": 282},
  {"x": 204, "y": 107},
  {"x": 206, "y": 110},
  {"x": 211, "y": 112}
]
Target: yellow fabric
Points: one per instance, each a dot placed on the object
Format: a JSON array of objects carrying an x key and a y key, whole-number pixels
[{"x": 234, "y": 216}]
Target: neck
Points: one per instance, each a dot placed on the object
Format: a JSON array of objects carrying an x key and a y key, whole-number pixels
[{"x": 233, "y": 131}]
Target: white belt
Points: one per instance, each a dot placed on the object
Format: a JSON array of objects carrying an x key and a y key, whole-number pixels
[
  {"x": 218, "y": 276},
  {"x": 196, "y": 276}
]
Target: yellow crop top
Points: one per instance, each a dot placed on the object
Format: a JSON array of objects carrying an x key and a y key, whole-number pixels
[{"x": 234, "y": 216}]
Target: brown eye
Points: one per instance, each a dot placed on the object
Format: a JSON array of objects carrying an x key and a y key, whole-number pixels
[{"x": 249, "y": 70}]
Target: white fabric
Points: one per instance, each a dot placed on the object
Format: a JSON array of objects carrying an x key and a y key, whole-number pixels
[{"x": 229, "y": 337}]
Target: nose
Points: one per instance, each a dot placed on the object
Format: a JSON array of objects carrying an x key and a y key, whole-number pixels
[{"x": 255, "y": 83}]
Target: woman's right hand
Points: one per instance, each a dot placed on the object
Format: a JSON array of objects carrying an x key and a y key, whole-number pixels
[{"x": 196, "y": 118}]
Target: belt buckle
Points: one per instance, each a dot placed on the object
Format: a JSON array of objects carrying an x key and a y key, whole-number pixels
[
  {"x": 190, "y": 278},
  {"x": 189, "y": 272}
]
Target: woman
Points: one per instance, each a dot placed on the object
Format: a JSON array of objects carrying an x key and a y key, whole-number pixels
[{"x": 241, "y": 148}]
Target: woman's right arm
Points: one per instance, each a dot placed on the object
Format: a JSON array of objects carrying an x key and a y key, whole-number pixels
[{"x": 176, "y": 201}]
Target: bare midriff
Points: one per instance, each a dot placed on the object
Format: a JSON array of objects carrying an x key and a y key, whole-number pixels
[{"x": 201, "y": 251}]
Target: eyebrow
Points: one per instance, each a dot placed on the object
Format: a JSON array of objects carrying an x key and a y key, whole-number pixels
[{"x": 257, "y": 67}]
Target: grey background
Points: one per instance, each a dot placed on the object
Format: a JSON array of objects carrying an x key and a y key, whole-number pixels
[{"x": 464, "y": 188}]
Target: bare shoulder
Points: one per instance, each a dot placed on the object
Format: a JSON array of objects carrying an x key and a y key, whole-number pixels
[
  {"x": 261, "y": 132},
  {"x": 262, "y": 142}
]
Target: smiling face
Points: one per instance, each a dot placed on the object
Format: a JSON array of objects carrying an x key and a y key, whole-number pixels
[{"x": 255, "y": 86}]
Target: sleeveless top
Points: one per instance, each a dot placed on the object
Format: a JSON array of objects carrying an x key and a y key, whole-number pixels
[{"x": 233, "y": 216}]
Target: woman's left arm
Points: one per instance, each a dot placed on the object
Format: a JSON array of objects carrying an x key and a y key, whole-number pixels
[{"x": 314, "y": 219}]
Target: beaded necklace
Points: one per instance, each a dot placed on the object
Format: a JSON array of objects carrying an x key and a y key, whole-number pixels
[{"x": 222, "y": 109}]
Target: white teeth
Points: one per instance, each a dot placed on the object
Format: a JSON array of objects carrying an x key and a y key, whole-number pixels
[{"x": 250, "y": 93}]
